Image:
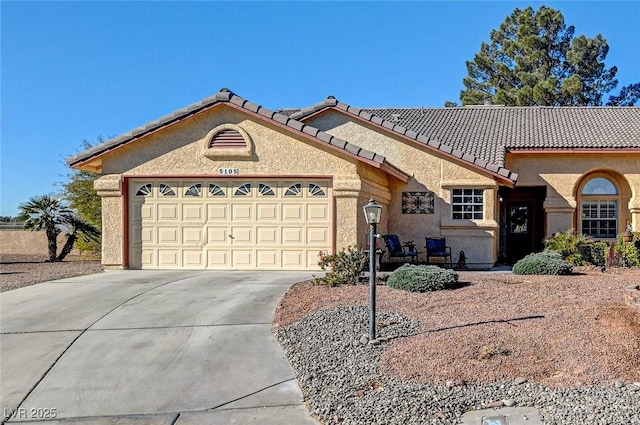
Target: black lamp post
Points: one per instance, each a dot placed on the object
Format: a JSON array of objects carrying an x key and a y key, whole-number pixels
[{"x": 372, "y": 213}]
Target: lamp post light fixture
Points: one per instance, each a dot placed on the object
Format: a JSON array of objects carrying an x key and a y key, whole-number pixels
[{"x": 372, "y": 213}]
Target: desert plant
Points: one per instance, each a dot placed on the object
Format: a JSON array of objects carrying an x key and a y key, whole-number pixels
[
  {"x": 595, "y": 253},
  {"x": 571, "y": 245},
  {"x": 545, "y": 262},
  {"x": 628, "y": 252},
  {"x": 414, "y": 278},
  {"x": 343, "y": 268},
  {"x": 492, "y": 350}
]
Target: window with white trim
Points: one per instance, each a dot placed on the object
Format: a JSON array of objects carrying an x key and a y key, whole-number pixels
[
  {"x": 599, "y": 204},
  {"x": 467, "y": 204}
]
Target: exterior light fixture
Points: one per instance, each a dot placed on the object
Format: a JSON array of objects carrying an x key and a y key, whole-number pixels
[{"x": 372, "y": 213}]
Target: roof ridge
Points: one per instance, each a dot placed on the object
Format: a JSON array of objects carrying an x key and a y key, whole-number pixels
[
  {"x": 227, "y": 96},
  {"x": 403, "y": 131}
]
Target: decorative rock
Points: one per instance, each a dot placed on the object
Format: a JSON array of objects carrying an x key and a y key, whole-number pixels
[
  {"x": 633, "y": 387},
  {"x": 509, "y": 402},
  {"x": 374, "y": 342},
  {"x": 498, "y": 403},
  {"x": 619, "y": 384},
  {"x": 519, "y": 381},
  {"x": 460, "y": 383},
  {"x": 364, "y": 340}
]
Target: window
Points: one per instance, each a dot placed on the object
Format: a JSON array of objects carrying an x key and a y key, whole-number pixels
[
  {"x": 265, "y": 190},
  {"x": 195, "y": 190},
  {"x": 215, "y": 190},
  {"x": 244, "y": 190},
  {"x": 166, "y": 190},
  {"x": 468, "y": 204},
  {"x": 316, "y": 190},
  {"x": 294, "y": 190},
  {"x": 144, "y": 190},
  {"x": 600, "y": 208}
]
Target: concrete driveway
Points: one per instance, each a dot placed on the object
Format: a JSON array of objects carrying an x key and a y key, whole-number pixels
[{"x": 148, "y": 347}]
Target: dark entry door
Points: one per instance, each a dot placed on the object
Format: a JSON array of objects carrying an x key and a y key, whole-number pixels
[
  {"x": 519, "y": 230},
  {"x": 522, "y": 222}
]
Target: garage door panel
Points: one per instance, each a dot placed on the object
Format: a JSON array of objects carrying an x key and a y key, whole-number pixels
[
  {"x": 242, "y": 258},
  {"x": 192, "y": 235},
  {"x": 217, "y": 212},
  {"x": 218, "y": 235},
  {"x": 267, "y": 235},
  {"x": 167, "y": 212},
  {"x": 312, "y": 258},
  {"x": 192, "y": 213},
  {"x": 168, "y": 235},
  {"x": 293, "y": 259},
  {"x": 267, "y": 258},
  {"x": 317, "y": 236},
  {"x": 292, "y": 212},
  {"x": 148, "y": 258},
  {"x": 241, "y": 212},
  {"x": 267, "y": 212},
  {"x": 241, "y": 235},
  {"x": 193, "y": 258},
  {"x": 292, "y": 235},
  {"x": 317, "y": 213},
  {"x": 168, "y": 258},
  {"x": 218, "y": 259}
]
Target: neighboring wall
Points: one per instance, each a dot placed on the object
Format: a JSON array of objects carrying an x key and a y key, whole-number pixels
[{"x": 26, "y": 242}]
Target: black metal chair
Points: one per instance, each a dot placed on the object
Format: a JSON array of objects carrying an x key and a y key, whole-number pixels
[
  {"x": 437, "y": 247},
  {"x": 398, "y": 250}
]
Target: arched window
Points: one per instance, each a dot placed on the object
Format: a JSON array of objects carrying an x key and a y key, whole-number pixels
[{"x": 599, "y": 208}]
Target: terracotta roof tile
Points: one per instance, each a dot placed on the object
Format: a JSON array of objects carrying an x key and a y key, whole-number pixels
[{"x": 285, "y": 117}]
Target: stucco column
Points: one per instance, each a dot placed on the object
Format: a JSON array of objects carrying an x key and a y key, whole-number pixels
[
  {"x": 346, "y": 193},
  {"x": 559, "y": 214},
  {"x": 109, "y": 188},
  {"x": 634, "y": 210}
]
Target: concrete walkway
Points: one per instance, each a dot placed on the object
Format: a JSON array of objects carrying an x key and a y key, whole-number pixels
[{"x": 143, "y": 348}]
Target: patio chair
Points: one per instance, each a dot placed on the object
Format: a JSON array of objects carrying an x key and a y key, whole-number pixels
[
  {"x": 399, "y": 250},
  {"x": 437, "y": 247}
]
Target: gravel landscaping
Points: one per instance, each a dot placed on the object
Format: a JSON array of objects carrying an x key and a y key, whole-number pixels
[
  {"x": 17, "y": 271},
  {"x": 566, "y": 345}
]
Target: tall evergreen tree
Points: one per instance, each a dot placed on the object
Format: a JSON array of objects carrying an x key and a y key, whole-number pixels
[{"x": 534, "y": 59}]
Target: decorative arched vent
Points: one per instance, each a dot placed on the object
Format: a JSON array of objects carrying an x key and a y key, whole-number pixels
[{"x": 228, "y": 141}]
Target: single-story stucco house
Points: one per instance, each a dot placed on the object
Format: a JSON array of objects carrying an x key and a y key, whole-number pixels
[{"x": 228, "y": 184}]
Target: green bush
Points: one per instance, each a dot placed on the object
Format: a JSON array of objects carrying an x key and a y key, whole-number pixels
[
  {"x": 628, "y": 252},
  {"x": 414, "y": 278},
  {"x": 546, "y": 262},
  {"x": 571, "y": 246},
  {"x": 595, "y": 253},
  {"x": 343, "y": 268}
]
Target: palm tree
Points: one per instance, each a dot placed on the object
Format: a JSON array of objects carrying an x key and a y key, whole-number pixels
[
  {"x": 76, "y": 227},
  {"x": 49, "y": 213},
  {"x": 43, "y": 212}
]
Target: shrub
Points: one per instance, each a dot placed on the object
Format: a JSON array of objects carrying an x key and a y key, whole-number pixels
[
  {"x": 546, "y": 262},
  {"x": 595, "y": 253},
  {"x": 414, "y": 278},
  {"x": 571, "y": 246},
  {"x": 343, "y": 268},
  {"x": 628, "y": 252}
]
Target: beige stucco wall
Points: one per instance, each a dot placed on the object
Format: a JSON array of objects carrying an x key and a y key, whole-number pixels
[
  {"x": 431, "y": 171},
  {"x": 26, "y": 242},
  {"x": 179, "y": 151},
  {"x": 563, "y": 174}
]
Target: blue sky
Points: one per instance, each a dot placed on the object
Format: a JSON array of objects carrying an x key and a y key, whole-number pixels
[{"x": 78, "y": 70}]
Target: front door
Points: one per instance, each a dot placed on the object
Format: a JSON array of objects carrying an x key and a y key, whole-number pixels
[{"x": 522, "y": 223}]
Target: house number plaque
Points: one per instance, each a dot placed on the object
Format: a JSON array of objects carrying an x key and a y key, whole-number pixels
[{"x": 228, "y": 171}]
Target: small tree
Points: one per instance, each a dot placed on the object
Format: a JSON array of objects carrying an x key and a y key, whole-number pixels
[{"x": 48, "y": 213}]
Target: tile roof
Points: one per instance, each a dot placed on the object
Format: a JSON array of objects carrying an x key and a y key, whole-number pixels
[
  {"x": 226, "y": 96},
  {"x": 394, "y": 124},
  {"x": 489, "y": 132}
]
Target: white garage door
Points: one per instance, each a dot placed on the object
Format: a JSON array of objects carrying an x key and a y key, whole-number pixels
[{"x": 229, "y": 224}]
